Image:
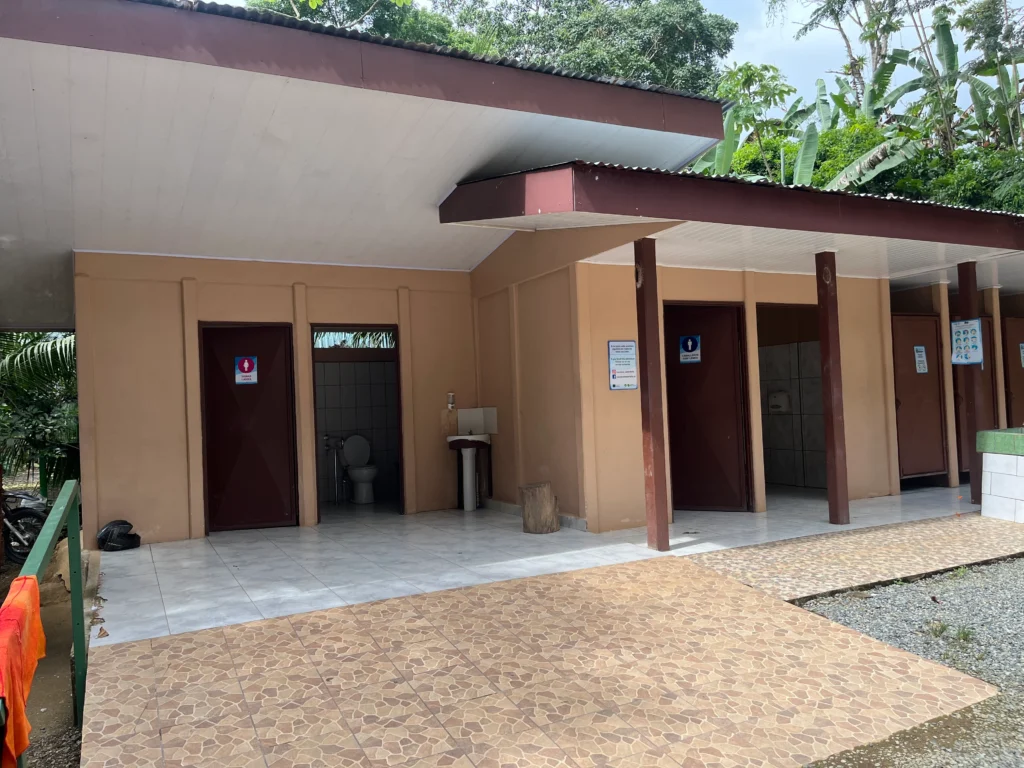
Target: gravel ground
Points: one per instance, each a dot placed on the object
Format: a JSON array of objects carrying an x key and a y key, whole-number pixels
[{"x": 971, "y": 619}]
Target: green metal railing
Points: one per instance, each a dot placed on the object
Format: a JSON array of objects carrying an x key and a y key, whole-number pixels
[{"x": 66, "y": 510}]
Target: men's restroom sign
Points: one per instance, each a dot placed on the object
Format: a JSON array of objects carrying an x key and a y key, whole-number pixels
[
  {"x": 689, "y": 349},
  {"x": 245, "y": 370}
]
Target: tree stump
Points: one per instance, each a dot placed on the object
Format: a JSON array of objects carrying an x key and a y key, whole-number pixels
[{"x": 540, "y": 508}]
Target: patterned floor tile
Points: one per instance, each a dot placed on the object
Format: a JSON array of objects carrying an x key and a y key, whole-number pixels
[
  {"x": 206, "y": 743},
  {"x": 652, "y": 664},
  {"x": 524, "y": 749},
  {"x": 798, "y": 568},
  {"x": 478, "y": 720},
  {"x": 597, "y": 738},
  {"x": 404, "y": 739},
  {"x": 310, "y": 718},
  {"x": 331, "y": 750},
  {"x": 450, "y": 685}
]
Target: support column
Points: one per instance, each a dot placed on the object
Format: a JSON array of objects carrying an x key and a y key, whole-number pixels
[
  {"x": 948, "y": 400},
  {"x": 754, "y": 394},
  {"x": 832, "y": 388},
  {"x": 305, "y": 407},
  {"x": 993, "y": 308},
  {"x": 193, "y": 407},
  {"x": 967, "y": 288},
  {"x": 405, "y": 380},
  {"x": 649, "y": 348}
]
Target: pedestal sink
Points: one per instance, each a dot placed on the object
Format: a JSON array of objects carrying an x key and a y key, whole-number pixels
[{"x": 468, "y": 445}]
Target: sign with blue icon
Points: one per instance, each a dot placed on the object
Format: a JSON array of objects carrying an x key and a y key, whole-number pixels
[
  {"x": 966, "y": 338},
  {"x": 689, "y": 349}
]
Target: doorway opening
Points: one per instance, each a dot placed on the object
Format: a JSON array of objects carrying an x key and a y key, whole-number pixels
[
  {"x": 706, "y": 393},
  {"x": 792, "y": 413},
  {"x": 248, "y": 415},
  {"x": 358, "y": 420}
]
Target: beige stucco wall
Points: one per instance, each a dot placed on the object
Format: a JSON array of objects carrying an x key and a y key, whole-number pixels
[
  {"x": 497, "y": 387},
  {"x": 610, "y": 314},
  {"x": 137, "y": 322}
]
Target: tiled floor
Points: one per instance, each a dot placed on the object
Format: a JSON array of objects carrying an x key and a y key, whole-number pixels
[
  {"x": 812, "y": 566},
  {"x": 368, "y": 554},
  {"x": 660, "y": 663}
]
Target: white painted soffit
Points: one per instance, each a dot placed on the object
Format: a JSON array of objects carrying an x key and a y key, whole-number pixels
[
  {"x": 117, "y": 152},
  {"x": 906, "y": 262}
]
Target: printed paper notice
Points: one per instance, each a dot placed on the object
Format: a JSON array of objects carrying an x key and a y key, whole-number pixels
[
  {"x": 921, "y": 359},
  {"x": 967, "y": 346},
  {"x": 622, "y": 365}
]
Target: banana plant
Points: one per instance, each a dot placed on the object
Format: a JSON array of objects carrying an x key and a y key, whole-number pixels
[
  {"x": 887, "y": 155},
  {"x": 718, "y": 159}
]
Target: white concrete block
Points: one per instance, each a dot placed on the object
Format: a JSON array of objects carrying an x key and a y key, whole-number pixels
[
  {"x": 999, "y": 508},
  {"x": 986, "y": 482},
  {"x": 1007, "y": 486},
  {"x": 1018, "y": 514},
  {"x": 1020, "y": 465},
  {"x": 999, "y": 462}
]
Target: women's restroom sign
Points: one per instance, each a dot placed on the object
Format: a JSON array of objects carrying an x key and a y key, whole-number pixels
[
  {"x": 967, "y": 346},
  {"x": 245, "y": 370},
  {"x": 622, "y": 367}
]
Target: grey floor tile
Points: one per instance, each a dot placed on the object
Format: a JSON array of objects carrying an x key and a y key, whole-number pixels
[{"x": 311, "y": 600}]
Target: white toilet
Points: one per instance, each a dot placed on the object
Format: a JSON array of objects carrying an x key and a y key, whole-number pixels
[{"x": 357, "y": 455}]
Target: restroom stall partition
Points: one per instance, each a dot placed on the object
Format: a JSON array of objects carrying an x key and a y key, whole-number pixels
[
  {"x": 792, "y": 411},
  {"x": 986, "y": 409},
  {"x": 706, "y": 393},
  {"x": 920, "y": 408},
  {"x": 356, "y": 380}
]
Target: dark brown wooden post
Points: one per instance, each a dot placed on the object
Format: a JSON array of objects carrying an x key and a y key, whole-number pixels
[
  {"x": 649, "y": 349},
  {"x": 967, "y": 287},
  {"x": 832, "y": 389}
]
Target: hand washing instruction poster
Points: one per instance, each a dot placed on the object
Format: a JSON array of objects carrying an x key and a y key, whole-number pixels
[
  {"x": 622, "y": 365},
  {"x": 967, "y": 346}
]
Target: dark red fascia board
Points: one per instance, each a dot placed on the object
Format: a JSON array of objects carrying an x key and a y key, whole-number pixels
[
  {"x": 586, "y": 188},
  {"x": 148, "y": 30}
]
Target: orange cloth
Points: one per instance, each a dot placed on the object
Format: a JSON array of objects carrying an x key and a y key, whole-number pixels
[{"x": 22, "y": 644}]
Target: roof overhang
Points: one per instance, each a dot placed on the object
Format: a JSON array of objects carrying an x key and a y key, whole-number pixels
[
  {"x": 206, "y": 33},
  {"x": 732, "y": 224}
]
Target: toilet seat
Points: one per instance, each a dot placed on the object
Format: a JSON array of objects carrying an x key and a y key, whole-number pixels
[{"x": 356, "y": 451}]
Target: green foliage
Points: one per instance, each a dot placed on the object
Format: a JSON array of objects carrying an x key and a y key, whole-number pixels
[
  {"x": 978, "y": 177},
  {"x": 387, "y": 18},
  {"x": 937, "y": 628},
  {"x": 39, "y": 405},
  {"x": 675, "y": 43}
]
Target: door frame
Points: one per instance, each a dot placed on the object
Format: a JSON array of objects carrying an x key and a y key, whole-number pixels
[
  {"x": 744, "y": 378},
  {"x": 292, "y": 415},
  {"x": 398, "y": 382},
  {"x": 942, "y": 394}
]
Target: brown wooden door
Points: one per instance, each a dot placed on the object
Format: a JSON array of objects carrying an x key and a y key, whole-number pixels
[
  {"x": 920, "y": 424},
  {"x": 987, "y": 407},
  {"x": 707, "y": 410},
  {"x": 249, "y": 427},
  {"x": 1013, "y": 367}
]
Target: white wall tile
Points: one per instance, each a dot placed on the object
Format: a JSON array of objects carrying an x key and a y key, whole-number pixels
[
  {"x": 1020, "y": 465},
  {"x": 998, "y": 507},
  {"x": 1007, "y": 486},
  {"x": 1018, "y": 514},
  {"x": 986, "y": 482},
  {"x": 998, "y": 462}
]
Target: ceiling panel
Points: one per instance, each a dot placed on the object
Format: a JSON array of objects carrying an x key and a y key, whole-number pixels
[
  {"x": 907, "y": 262},
  {"x": 107, "y": 151}
]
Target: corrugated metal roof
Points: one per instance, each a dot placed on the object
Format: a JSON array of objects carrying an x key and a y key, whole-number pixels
[
  {"x": 281, "y": 20},
  {"x": 777, "y": 185}
]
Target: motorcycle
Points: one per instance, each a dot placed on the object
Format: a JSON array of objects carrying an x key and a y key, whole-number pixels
[{"x": 24, "y": 516}]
